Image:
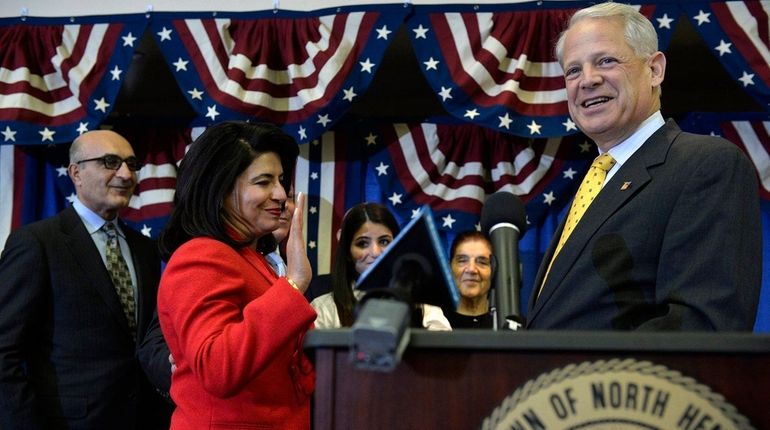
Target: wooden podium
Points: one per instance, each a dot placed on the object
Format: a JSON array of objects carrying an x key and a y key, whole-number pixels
[{"x": 470, "y": 379}]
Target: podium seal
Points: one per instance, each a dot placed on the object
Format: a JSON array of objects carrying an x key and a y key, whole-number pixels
[{"x": 616, "y": 394}]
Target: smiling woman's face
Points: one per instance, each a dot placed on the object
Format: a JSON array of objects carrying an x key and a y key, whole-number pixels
[
  {"x": 368, "y": 243},
  {"x": 258, "y": 194}
]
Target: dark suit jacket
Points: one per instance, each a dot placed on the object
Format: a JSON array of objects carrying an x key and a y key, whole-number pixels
[
  {"x": 678, "y": 247},
  {"x": 67, "y": 356}
]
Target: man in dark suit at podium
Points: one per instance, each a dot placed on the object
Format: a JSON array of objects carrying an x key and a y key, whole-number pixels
[
  {"x": 77, "y": 293},
  {"x": 664, "y": 233}
]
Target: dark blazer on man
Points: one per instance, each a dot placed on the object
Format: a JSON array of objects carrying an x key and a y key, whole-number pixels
[
  {"x": 67, "y": 358},
  {"x": 672, "y": 242}
]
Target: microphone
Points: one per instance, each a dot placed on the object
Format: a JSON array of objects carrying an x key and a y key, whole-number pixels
[{"x": 504, "y": 219}]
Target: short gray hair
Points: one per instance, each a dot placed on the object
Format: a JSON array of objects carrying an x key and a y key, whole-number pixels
[{"x": 639, "y": 32}]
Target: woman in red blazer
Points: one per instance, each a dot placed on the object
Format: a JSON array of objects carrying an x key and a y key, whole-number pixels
[{"x": 233, "y": 327}]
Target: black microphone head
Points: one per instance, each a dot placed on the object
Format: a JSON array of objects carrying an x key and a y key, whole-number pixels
[{"x": 503, "y": 207}]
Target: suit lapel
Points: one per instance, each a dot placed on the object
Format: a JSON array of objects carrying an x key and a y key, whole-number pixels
[
  {"x": 90, "y": 261},
  {"x": 258, "y": 262},
  {"x": 636, "y": 174}
]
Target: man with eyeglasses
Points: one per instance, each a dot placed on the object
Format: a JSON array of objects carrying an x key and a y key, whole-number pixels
[
  {"x": 77, "y": 293},
  {"x": 471, "y": 263}
]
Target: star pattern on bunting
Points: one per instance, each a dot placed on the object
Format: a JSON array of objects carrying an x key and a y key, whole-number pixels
[
  {"x": 702, "y": 17},
  {"x": 505, "y": 121},
  {"x": 382, "y": 169},
  {"x": 129, "y": 39},
  {"x": 180, "y": 65},
  {"x": 116, "y": 72},
  {"x": 664, "y": 21},
  {"x": 747, "y": 79},
  {"x": 548, "y": 198},
  {"x": 420, "y": 32},
  {"x": 101, "y": 105},
  {"x": 395, "y": 199},
  {"x": 46, "y": 134},
  {"x": 97, "y": 62},
  {"x": 350, "y": 94},
  {"x": 723, "y": 48},
  {"x": 448, "y": 221},
  {"x": 463, "y": 57},
  {"x": 445, "y": 93},
  {"x": 195, "y": 94},
  {"x": 383, "y": 32},
  {"x": 366, "y": 66},
  {"x": 9, "y": 135},
  {"x": 164, "y": 34},
  {"x": 323, "y": 120},
  {"x": 211, "y": 112}
]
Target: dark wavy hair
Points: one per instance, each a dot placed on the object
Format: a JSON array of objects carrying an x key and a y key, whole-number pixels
[
  {"x": 344, "y": 268},
  {"x": 207, "y": 175},
  {"x": 466, "y": 236}
]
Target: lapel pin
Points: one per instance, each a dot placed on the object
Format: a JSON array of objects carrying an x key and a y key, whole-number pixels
[{"x": 625, "y": 186}]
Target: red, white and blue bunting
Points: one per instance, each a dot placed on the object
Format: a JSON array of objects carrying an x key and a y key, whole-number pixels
[
  {"x": 34, "y": 179},
  {"x": 59, "y": 78},
  {"x": 448, "y": 165},
  {"x": 452, "y": 168},
  {"x": 493, "y": 65},
  {"x": 299, "y": 70},
  {"x": 750, "y": 131},
  {"x": 739, "y": 33}
]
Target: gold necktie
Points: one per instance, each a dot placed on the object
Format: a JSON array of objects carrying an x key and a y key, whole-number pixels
[
  {"x": 587, "y": 192},
  {"x": 121, "y": 277}
]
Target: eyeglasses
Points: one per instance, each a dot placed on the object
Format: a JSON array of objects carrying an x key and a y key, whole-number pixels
[{"x": 113, "y": 162}]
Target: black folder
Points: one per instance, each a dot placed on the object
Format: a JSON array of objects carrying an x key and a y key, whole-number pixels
[{"x": 418, "y": 241}]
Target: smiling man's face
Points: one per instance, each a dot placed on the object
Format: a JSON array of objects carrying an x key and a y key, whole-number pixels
[{"x": 610, "y": 90}]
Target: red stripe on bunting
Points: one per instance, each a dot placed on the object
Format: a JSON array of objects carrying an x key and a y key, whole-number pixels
[
  {"x": 743, "y": 42},
  {"x": 155, "y": 210},
  {"x": 24, "y": 87},
  {"x": 759, "y": 142},
  {"x": 759, "y": 12},
  {"x": 413, "y": 188},
  {"x": 106, "y": 47},
  {"x": 77, "y": 71},
  {"x": 159, "y": 149},
  {"x": 528, "y": 37},
  {"x": 341, "y": 179},
  {"x": 256, "y": 40},
  {"x": 267, "y": 55}
]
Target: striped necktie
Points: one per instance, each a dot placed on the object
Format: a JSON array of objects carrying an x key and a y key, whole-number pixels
[{"x": 121, "y": 277}]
